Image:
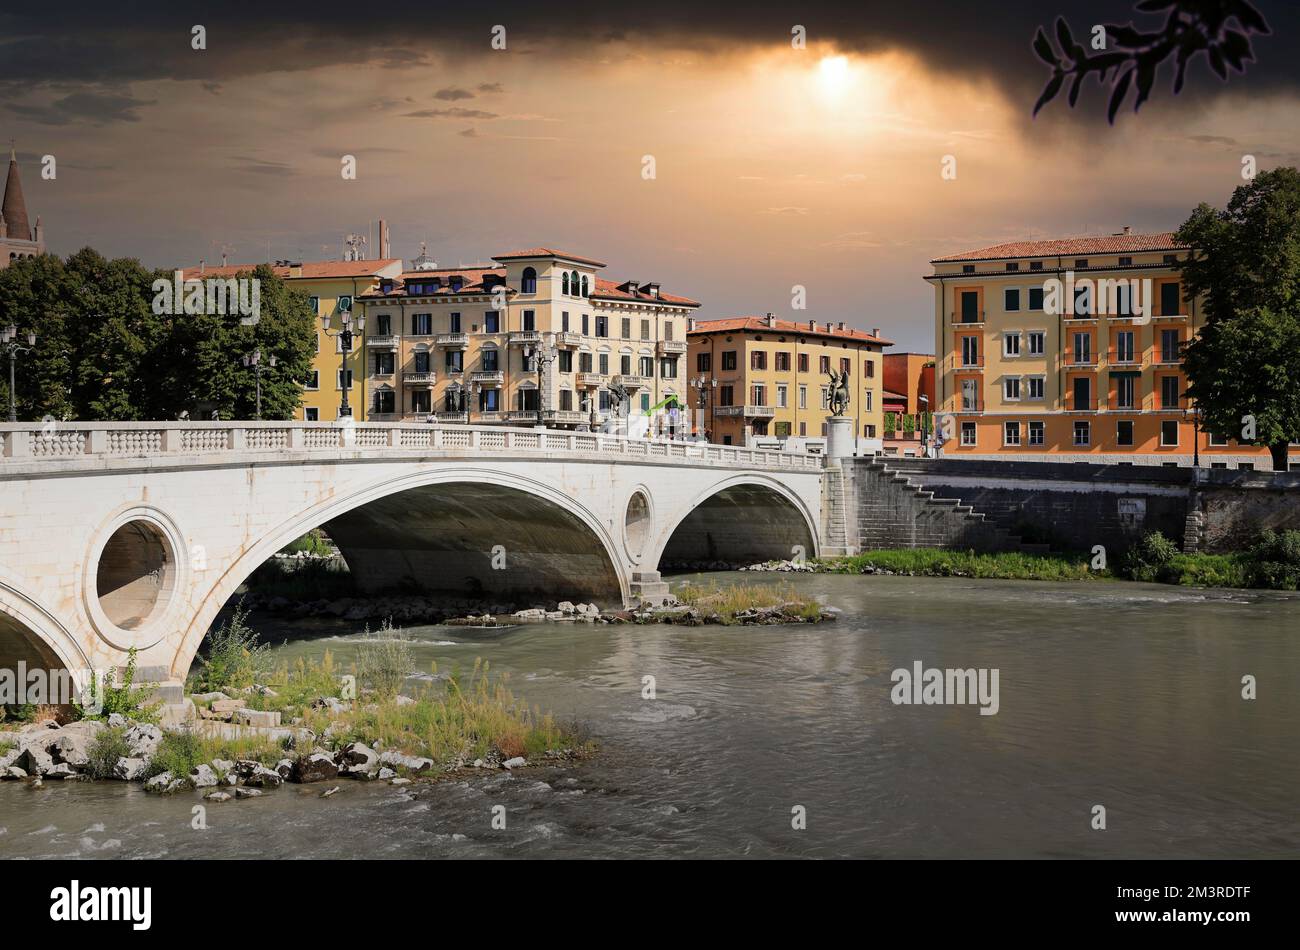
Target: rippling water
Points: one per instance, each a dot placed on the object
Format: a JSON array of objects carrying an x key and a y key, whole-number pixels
[{"x": 1122, "y": 695}]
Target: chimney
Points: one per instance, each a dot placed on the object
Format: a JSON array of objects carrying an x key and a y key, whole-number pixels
[
  {"x": 875, "y": 331},
  {"x": 1127, "y": 229},
  {"x": 383, "y": 240},
  {"x": 841, "y": 326},
  {"x": 690, "y": 324},
  {"x": 202, "y": 265},
  {"x": 771, "y": 319},
  {"x": 812, "y": 325}
]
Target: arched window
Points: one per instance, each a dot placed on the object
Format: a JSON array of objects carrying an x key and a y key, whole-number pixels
[
  {"x": 528, "y": 284},
  {"x": 573, "y": 282},
  {"x": 565, "y": 284},
  {"x": 585, "y": 291}
]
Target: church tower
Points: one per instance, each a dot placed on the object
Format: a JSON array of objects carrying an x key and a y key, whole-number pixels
[{"x": 17, "y": 238}]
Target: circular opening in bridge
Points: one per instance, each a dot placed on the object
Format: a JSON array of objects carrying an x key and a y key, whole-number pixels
[
  {"x": 636, "y": 523},
  {"x": 135, "y": 576}
]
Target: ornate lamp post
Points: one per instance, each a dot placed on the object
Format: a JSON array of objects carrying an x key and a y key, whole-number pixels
[
  {"x": 542, "y": 355},
  {"x": 702, "y": 385},
  {"x": 345, "y": 335},
  {"x": 253, "y": 361},
  {"x": 9, "y": 343}
]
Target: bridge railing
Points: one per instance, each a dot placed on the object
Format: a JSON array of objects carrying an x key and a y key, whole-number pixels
[{"x": 71, "y": 441}]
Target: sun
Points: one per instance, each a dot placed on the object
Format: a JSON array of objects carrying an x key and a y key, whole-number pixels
[{"x": 833, "y": 74}]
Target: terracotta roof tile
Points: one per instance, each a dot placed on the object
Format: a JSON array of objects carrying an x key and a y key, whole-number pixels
[
  {"x": 1109, "y": 244},
  {"x": 310, "y": 270},
  {"x": 547, "y": 252},
  {"x": 760, "y": 325},
  {"x": 609, "y": 290}
]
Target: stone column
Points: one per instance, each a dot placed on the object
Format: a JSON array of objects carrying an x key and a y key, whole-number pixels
[{"x": 839, "y": 438}]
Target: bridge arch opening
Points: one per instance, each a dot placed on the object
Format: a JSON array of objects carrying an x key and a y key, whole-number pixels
[
  {"x": 135, "y": 575},
  {"x": 740, "y": 524}
]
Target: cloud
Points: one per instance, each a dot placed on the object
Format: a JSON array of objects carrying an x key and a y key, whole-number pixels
[
  {"x": 452, "y": 94},
  {"x": 470, "y": 133},
  {"x": 455, "y": 112},
  {"x": 99, "y": 108},
  {"x": 787, "y": 210},
  {"x": 261, "y": 166},
  {"x": 489, "y": 88}
]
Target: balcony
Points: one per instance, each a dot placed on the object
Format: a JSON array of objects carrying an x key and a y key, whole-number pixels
[
  {"x": 671, "y": 347},
  {"x": 525, "y": 338},
  {"x": 961, "y": 320},
  {"x": 452, "y": 416},
  {"x": 566, "y": 416},
  {"x": 460, "y": 340},
  {"x": 568, "y": 339},
  {"x": 968, "y": 363},
  {"x": 522, "y": 415},
  {"x": 419, "y": 379},
  {"x": 487, "y": 417},
  {"x": 748, "y": 412},
  {"x": 631, "y": 381},
  {"x": 487, "y": 376},
  {"x": 592, "y": 380},
  {"x": 382, "y": 341}
]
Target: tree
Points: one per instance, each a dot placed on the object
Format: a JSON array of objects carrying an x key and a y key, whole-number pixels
[
  {"x": 1192, "y": 27},
  {"x": 1245, "y": 265}
]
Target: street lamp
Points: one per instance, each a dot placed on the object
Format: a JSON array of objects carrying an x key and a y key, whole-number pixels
[
  {"x": 924, "y": 402},
  {"x": 543, "y": 355},
  {"x": 702, "y": 384},
  {"x": 345, "y": 335},
  {"x": 253, "y": 361},
  {"x": 9, "y": 342}
]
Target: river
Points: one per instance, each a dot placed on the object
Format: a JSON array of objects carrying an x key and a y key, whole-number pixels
[{"x": 1121, "y": 695}]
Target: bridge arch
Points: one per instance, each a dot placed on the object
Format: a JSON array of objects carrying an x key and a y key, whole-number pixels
[
  {"x": 31, "y": 632},
  {"x": 551, "y": 544},
  {"x": 748, "y": 517}
]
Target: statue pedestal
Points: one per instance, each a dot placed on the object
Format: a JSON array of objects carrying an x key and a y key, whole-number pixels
[{"x": 839, "y": 438}]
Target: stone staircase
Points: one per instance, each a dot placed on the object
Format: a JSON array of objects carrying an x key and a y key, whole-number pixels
[
  {"x": 837, "y": 504},
  {"x": 1193, "y": 527},
  {"x": 895, "y": 511},
  {"x": 175, "y": 710}
]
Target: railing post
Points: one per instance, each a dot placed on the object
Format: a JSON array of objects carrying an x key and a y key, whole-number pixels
[
  {"x": 395, "y": 438},
  {"x": 473, "y": 438},
  {"x": 97, "y": 442},
  {"x": 171, "y": 440},
  {"x": 238, "y": 439},
  {"x": 18, "y": 444},
  {"x": 297, "y": 437},
  {"x": 437, "y": 437},
  {"x": 508, "y": 438}
]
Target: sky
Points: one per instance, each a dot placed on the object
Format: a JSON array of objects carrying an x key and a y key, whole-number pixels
[{"x": 773, "y": 166}]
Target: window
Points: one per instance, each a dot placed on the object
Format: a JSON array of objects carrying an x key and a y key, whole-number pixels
[
  {"x": 869, "y": 430},
  {"x": 1011, "y": 343},
  {"x": 1126, "y": 262},
  {"x": 625, "y": 364},
  {"x": 1124, "y": 390},
  {"x": 421, "y": 324},
  {"x": 728, "y": 359},
  {"x": 803, "y": 398},
  {"x": 803, "y": 428},
  {"x": 566, "y": 400},
  {"x": 645, "y": 329},
  {"x": 311, "y": 414},
  {"x": 530, "y": 320},
  {"x": 314, "y": 303},
  {"x": 668, "y": 367},
  {"x": 703, "y": 362},
  {"x": 1169, "y": 432},
  {"x": 645, "y": 402},
  {"x": 824, "y": 364},
  {"x": 626, "y": 327},
  {"x": 1035, "y": 384},
  {"x": 1011, "y": 298},
  {"x": 869, "y": 369},
  {"x": 803, "y": 362},
  {"x": 455, "y": 322},
  {"x": 1011, "y": 387},
  {"x": 970, "y": 395},
  {"x": 867, "y": 398},
  {"x": 970, "y": 355},
  {"x": 345, "y": 303},
  {"x": 1170, "y": 299},
  {"x": 1169, "y": 392},
  {"x": 489, "y": 400},
  {"x": 454, "y": 360},
  {"x": 385, "y": 401},
  {"x": 758, "y": 360},
  {"x": 648, "y": 366},
  {"x": 339, "y": 383},
  {"x": 726, "y": 396},
  {"x": 586, "y": 324},
  {"x": 1083, "y": 348},
  {"x": 564, "y": 284},
  {"x": 1169, "y": 346},
  {"x": 1245, "y": 466},
  {"x": 604, "y": 364},
  {"x": 564, "y": 321},
  {"x": 528, "y": 282},
  {"x": 758, "y": 394},
  {"x": 313, "y": 380},
  {"x": 1124, "y": 346},
  {"x": 845, "y": 364},
  {"x": 1171, "y": 258},
  {"x": 1082, "y": 394},
  {"x": 383, "y": 324},
  {"x": 1036, "y": 343},
  {"x": 585, "y": 291},
  {"x": 970, "y": 306},
  {"x": 1013, "y": 265},
  {"x": 1011, "y": 433},
  {"x": 584, "y": 362},
  {"x": 1218, "y": 440},
  {"x": 782, "y": 397},
  {"x": 1082, "y": 301},
  {"x": 782, "y": 362},
  {"x": 1083, "y": 433},
  {"x": 1035, "y": 265},
  {"x": 1037, "y": 433},
  {"x": 968, "y": 433},
  {"x": 422, "y": 362},
  {"x": 385, "y": 363},
  {"x": 1035, "y": 298},
  {"x": 1124, "y": 432},
  {"x": 491, "y": 322},
  {"x": 490, "y": 361},
  {"x": 968, "y": 268},
  {"x": 1080, "y": 263},
  {"x": 602, "y": 325}
]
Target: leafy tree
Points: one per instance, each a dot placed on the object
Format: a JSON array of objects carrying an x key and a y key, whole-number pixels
[
  {"x": 1244, "y": 366},
  {"x": 1131, "y": 58}
]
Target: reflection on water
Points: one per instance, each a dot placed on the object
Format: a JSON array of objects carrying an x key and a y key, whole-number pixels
[{"x": 1122, "y": 695}]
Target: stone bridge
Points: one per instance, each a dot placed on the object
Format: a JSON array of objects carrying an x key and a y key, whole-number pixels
[{"x": 120, "y": 535}]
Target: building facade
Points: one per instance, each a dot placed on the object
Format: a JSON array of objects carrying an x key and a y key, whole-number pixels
[
  {"x": 334, "y": 287},
  {"x": 535, "y": 337},
  {"x": 768, "y": 380},
  {"x": 18, "y": 237},
  {"x": 1071, "y": 350}
]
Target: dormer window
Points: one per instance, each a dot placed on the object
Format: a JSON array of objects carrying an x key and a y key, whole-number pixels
[
  {"x": 456, "y": 284},
  {"x": 968, "y": 268}
]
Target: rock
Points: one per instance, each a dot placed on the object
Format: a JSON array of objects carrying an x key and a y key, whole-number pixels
[
  {"x": 284, "y": 768},
  {"x": 71, "y": 748},
  {"x": 256, "y": 717},
  {"x": 222, "y": 766},
  {"x": 263, "y": 691},
  {"x": 566, "y": 606},
  {"x": 262, "y": 777},
  {"x": 12, "y": 772},
  {"x": 117, "y": 721},
  {"x": 142, "y": 739},
  {"x": 517, "y": 762},
  {"x": 403, "y": 701},
  {"x": 357, "y": 759},
  {"x": 399, "y": 781},
  {"x": 216, "y": 796},
  {"x": 332, "y": 703},
  {"x": 479, "y": 763},
  {"x": 9, "y": 758},
  {"x": 208, "y": 697},
  {"x": 203, "y": 777},
  {"x": 129, "y": 769},
  {"x": 317, "y": 767},
  {"x": 162, "y": 783},
  {"x": 329, "y": 791},
  {"x": 386, "y": 773},
  {"x": 397, "y": 760},
  {"x": 247, "y": 792},
  {"x": 226, "y": 706},
  {"x": 60, "y": 771},
  {"x": 34, "y": 760},
  {"x": 533, "y": 613}
]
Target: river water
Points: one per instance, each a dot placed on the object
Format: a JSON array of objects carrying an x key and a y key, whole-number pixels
[{"x": 1126, "y": 696}]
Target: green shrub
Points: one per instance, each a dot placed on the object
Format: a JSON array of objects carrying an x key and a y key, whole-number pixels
[
  {"x": 313, "y": 542},
  {"x": 125, "y": 699},
  {"x": 384, "y": 660},
  {"x": 1274, "y": 560},
  {"x": 178, "y": 753},
  {"x": 234, "y": 659},
  {"x": 1150, "y": 559},
  {"x": 105, "y": 749}
]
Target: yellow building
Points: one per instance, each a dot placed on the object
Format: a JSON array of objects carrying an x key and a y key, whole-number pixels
[
  {"x": 334, "y": 288},
  {"x": 772, "y": 380},
  {"x": 1071, "y": 350},
  {"x": 537, "y": 336}
]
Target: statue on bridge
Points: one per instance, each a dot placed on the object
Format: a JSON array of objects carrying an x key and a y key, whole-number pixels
[{"x": 839, "y": 392}]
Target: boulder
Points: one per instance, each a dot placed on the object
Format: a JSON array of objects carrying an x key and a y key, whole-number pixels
[
  {"x": 317, "y": 767},
  {"x": 533, "y": 613},
  {"x": 399, "y": 781},
  {"x": 162, "y": 783},
  {"x": 256, "y": 717},
  {"x": 208, "y": 697},
  {"x": 117, "y": 721},
  {"x": 228, "y": 706},
  {"x": 34, "y": 760},
  {"x": 357, "y": 759},
  {"x": 12, "y": 772},
  {"x": 142, "y": 739},
  {"x": 71, "y": 748},
  {"x": 203, "y": 776},
  {"x": 216, "y": 796},
  {"x": 386, "y": 773},
  {"x": 517, "y": 762},
  {"x": 284, "y": 768},
  {"x": 61, "y": 771},
  {"x": 9, "y": 758},
  {"x": 247, "y": 792},
  {"x": 262, "y": 777},
  {"x": 403, "y": 701},
  {"x": 222, "y": 766},
  {"x": 129, "y": 769},
  {"x": 566, "y": 606},
  {"x": 398, "y": 760}
]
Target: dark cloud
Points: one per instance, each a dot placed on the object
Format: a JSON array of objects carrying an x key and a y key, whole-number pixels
[
  {"x": 453, "y": 94},
  {"x": 490, "y": 88},
  {"x": 261, "y": 166},
  {"x": 99, "y": 108},
  {"x": 455, "y": 112}
]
